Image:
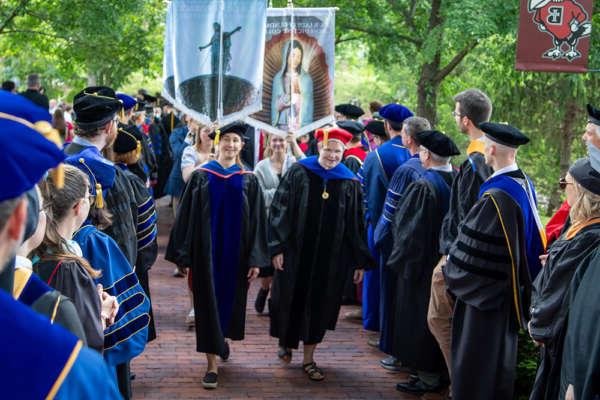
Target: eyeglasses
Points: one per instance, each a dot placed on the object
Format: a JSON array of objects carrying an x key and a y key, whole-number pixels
[
  {"x": 455, "y": 114},
  {"x": 91, "y": 198},
  {"x": 563, "y": 183}
]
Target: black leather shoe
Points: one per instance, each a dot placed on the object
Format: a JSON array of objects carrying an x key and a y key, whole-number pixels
[
  {"x": 261, "y": 300},
  {"x": 210, "y": 380},
  {"x": 417, "y": 386}
]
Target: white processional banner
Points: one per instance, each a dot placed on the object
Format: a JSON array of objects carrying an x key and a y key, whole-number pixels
[
  {"x": 213, "y": 58},
  {"x": 298, "y": 71}
]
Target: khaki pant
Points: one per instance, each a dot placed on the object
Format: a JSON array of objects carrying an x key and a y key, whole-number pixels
[{"x": 439, "y": 315}]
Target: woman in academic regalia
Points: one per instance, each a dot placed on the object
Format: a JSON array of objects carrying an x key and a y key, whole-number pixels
[
  {"x": 317, "y": 238},
  {"x": 62, "y": 265},
  {"x": 549, "y": 305},
  {"x": 220, "y": 234}
]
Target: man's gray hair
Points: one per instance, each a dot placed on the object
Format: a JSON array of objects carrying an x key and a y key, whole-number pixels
[
  {"x": 33, "y": 80},
  {"x": 414, "y": 125}
]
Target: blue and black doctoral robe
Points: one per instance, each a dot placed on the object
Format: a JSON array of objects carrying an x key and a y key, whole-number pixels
[
  {"x": 219, "y": 233},
  {"x": 316, "y": 222},
  {"x": 146, "y": 233},
  {"x": 43, "y": 360},
  {"x": 375, "y": 175},
  {"x": 121, "y": 203},
  {"x": 406, "y": 174},
  {"x": 416, "y": 230},
  {"x": 126, "y": 338},
  {"x": 488, "y": 274}
]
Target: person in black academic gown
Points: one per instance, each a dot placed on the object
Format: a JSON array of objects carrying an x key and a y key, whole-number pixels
[
  {"x": 126, "y": 152},
  {"x": 549, "y": 303},
  {"x": 317, "y": 236},
  {"x": 489, "y": 270},
  {"x": 220, "y": 233},
  {"x": 581, "y": 355},
  {"x": 416, "y": 230},
  {"x": 96, "y": 111}
]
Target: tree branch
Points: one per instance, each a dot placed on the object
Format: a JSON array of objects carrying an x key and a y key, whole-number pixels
[
  {"x": 443, "y": 73},
  {"x": 13, "y": 14},
  {"x": 390, "y": 35},
  {"x": 347, "y": 39},
  {"x": 34, "y": 33}
]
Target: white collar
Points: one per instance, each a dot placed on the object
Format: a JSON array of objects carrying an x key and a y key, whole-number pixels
[
  {"x": 505, "y": 170},
  {"x": 23, "y": 262},
  {"x": 443, "y": 168}
]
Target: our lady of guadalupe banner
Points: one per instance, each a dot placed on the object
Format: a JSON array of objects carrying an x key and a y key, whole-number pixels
[
  {"x": 298, "y": 71},
  {"x": 554, "y": 35},
  {"x": 213, "y": 62}
]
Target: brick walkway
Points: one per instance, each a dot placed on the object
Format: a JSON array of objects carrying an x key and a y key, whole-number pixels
[{"x": 170, "y": 368}]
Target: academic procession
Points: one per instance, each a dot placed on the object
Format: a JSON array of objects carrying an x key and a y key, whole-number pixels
[{"x": 255, "y": 225}]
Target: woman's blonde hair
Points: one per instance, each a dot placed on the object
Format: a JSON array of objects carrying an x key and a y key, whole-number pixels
[
  {"x": 267, "y": 152},
  {"x": 586, "y": 205},
  {"x": 57, "y": 203},
  {"x": 197, "y": 140}
]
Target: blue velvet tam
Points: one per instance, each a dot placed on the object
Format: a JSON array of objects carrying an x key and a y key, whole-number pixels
[
  {"x": 128, "y": 101},
  {"x": 395, "y": 113},
  {"x": 30, "y": 146},
  {"x": 99, "y": 170}
]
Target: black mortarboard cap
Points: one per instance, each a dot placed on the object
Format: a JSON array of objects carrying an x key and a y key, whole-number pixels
[
  {"x": 593, "y": 115},
  {"x": 355, "y": 128},
  {"x": 583, "y": 172},
  {"x": 349, "y": 110},
  {"x": 504, "y": 134},
  {"x": 239, "y": 128},
  {"x": 438, "y": 143},
  {"x": 376, "y": 128},
  {"x": 94, "y": 106}
]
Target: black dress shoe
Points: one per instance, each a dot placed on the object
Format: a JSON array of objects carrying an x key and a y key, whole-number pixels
[
  {"x": 226, "y": 352},
  {"x": 261, "y": 300},
  {"x": 210, "y": 380},
  {"x": 417, "y": 386}
]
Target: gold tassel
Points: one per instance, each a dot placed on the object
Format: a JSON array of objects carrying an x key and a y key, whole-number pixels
[
  {"x": 99, "y": 197},
  {"x": 325, "y": 137},
  {"x": 46, "y": 130},
  {"x": 217, "y": 137},
  {"x": 138, "y": 149}
]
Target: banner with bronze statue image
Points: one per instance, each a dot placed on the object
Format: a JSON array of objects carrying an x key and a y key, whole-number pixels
[{"x": 213, "y": 58}]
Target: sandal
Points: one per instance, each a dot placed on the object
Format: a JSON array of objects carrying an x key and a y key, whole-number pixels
[
  {"x": 314, "y": 373},
  {"x": 285, "y": 355}
]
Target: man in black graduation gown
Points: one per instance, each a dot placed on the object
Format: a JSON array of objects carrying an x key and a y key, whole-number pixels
[
  {"x": 471, "y": 107},
  {"x": 416, "y": 230},
  {"x": 96, "y": 122},
  {"x": 488, "y": 273},
  {"x": 317, "y": 236}
]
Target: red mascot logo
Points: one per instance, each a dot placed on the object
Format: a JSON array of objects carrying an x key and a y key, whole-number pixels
[{"x": 566, "y": 21}]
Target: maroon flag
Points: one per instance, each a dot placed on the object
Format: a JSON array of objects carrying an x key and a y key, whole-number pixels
[{"x": 554, "y": 35}]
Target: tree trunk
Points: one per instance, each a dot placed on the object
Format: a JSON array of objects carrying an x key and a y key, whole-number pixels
[
  {"x": 427, "y": 91},
  {"x": 567, "y": 135},
  {"x": 428, "y": 83}
]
